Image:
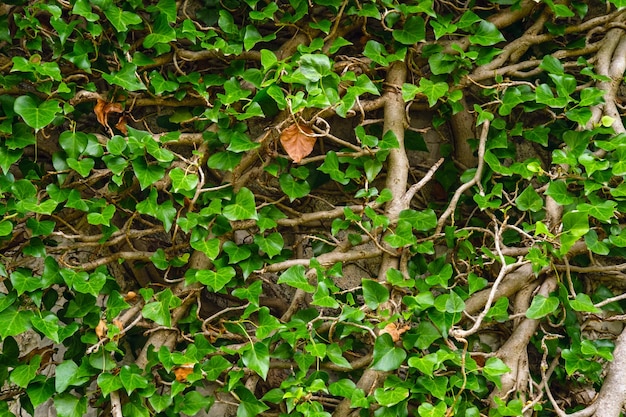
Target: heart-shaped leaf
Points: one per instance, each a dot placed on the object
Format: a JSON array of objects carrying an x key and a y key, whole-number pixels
[
  {"x": 298, "y": 141},
  {"x": 36, "y": 115}
]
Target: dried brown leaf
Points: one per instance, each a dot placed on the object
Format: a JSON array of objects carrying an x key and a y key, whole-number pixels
[
  {"x": 101, "y": 329},
  {"x": 298, "y": 141},
  {"x": 394, "y": 331},
  {"x": 183, "y": 371},
  {"x": 118, "y": 324},
  {"x": 102, "y": 109},
  {"x": 130, "y": 296},
  {"x": 121, "y": 125}
]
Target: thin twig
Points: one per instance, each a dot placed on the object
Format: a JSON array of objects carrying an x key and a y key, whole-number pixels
[
  {"x": 477, "y": 175},
  {"x": 504, "y": 270},
  {"x": 410, "y": 193}
]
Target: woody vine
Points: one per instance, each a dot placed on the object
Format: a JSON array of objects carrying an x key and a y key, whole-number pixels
[{"x": 325, "y": 208}]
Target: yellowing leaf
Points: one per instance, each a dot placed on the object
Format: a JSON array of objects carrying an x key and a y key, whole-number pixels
[
  {"x": 183, "y": 371},
  {"x": 298, "y": 141},
  {"x": 101, "y": 329},
  {"x": 130, "y": 296}
]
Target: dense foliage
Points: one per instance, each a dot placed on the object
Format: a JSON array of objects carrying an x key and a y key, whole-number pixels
[{"x": 312, "y": 208}]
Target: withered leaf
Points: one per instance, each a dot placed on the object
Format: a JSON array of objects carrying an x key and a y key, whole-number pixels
[
  {"x": 101, "y": 329},
  {"x": 121, "y": 125},
  {"x": 130, "y": 296},
  {"x": 102, "y": 110},
  {"x": 298, "y": 141},
  {"x": 183, "y": 371},
  {"x": 394, "y": 331}
]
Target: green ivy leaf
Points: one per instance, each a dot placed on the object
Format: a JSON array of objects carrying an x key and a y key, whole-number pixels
[
  {"x": 293, "y": 188},
  {"x": 91, "y": 285},
  {"x": 558, "y": 191},
  {"x": 40, "y": 392},
  {"x": 83, "y": 166},
  {"x": 216, "y": 280},
  {"x": 402, "y": 236},
  {"x": 159, "y": 311},
  {"x": 454, "y": 303},
  {"x": 387, "y": 357},
  {"x": 243, "y": 208},
  {"x": 6, "y": 227},
  {"x": 583, "y": 302},
  {"x": 580, "y": 115},
  {"x": 322, "y": 297},
  {"x": 67, "y": 405},
  {"x": 68, "y": 373},
  {"x": 210, "y": 247},
  {"x": 162, "y": 85},
  {"x": 335, "y": 354},
  {"x": 23, "y": 374},
  {"x": 240, "y": 142},
  {"x": 421, "y": 221},
  {"x": 499, "y": 311},
  {"x": 495, "y": 367},
  {"x": 433, "y": 91},
  {"x": 249, "y": 405},
  {"x": 109, "y": 383},
  {"x": 576, "y": 223},
  {"x": 591, "y": 96},
  {"x": 193, "y": 402},
  {"x": 136, "y": 410},
  {"x": 147, "y": 174},
  {"x": 36, "y": 115},
  {"x": 164, "y": 212},
  {"x": 132, "y": 378},
  {"x": 73, "y": 143},
  {"x": 414, "y": 31},
  {"x": 529, "y": 199},
  {"x": 257, "y": 358},
  {"x": 165, "y": 7},
  {"x": 552, "y": 65},
  {"x": 24, "y": 281},
  {"x": 236, "y": 253},
  {"x": 603, "y": 211},
  {"x": 48, "y": 325},
  {"x": 331, "y": 167},
  {"x": 8, "y": 157},
  {"x": 487, "y": 34},
  {"x": 374, "y": 293},
  {"x": 271, "y": 244},
  {"x": 542, "y": 306},
  {"x": 126, "y": 78},
  {"x": 295, "y": 277},
  {"x": 425, "y": 364},
  {"x": 389, "y": 141},
  {"x": 14, "y": 321},
  {"x": 376, "y": 52},
  {"x": 162, "y": 32},
  {"x": 315, "y": 66},
  {"x": 83, "y": 8},
  {"x": 121, "y": 19},
  {"x": 160, "y": 402},
  {"x": 544, "y": 95},
  {"x": 409, "y": 91},
  {"x": 103, "y": 218},
  {"x": 224, "y": 160},
  {"x": 390, "y": 397},
  {"x": 268, "y": 324},
  {"x": 182, "y": 180},
  {"x": 595, "y": 245}
]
